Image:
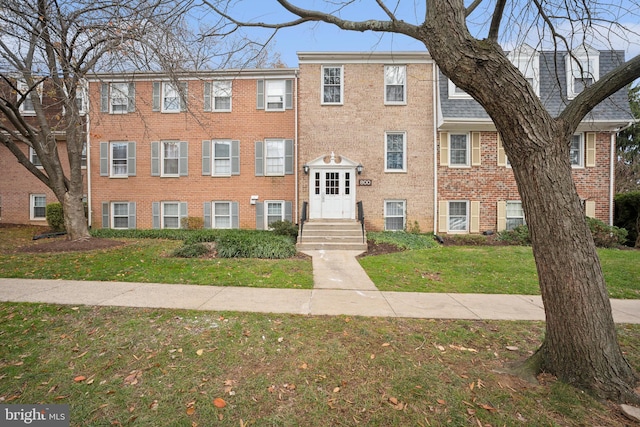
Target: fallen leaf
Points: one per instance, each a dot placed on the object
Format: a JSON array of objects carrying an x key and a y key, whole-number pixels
[
  {"x": 336, "y": 389},
  {"x": 488, "y": 407},
  {"x": 512, "y": 348},
  {"x": 154, "y": 405},
  {"x": 191, "y": 410},
  {"x": 79, "y": 378},
  {"x": 441, "y": 401},
  {"x": 219, "y": 402},
  {"x": 200, "y": 352},
  {"x": 303, "y": 366},
  {"x": 386, "y": 344},
  {"x": 280, "y": 339},
  {"x": 373, "y": 356}
]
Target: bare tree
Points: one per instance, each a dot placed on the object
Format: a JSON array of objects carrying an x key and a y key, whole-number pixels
[
  {"x": 580, "y": 345},
  {"x": 47, "y": 48}
]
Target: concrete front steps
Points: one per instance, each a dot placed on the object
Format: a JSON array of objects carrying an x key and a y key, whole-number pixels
[{"x": 331, "y": 235}]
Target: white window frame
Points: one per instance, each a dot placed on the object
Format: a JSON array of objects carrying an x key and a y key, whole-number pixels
[
  {"x": 164, "y": 158},
  {"x": 266, "y": 212},
  {"x": 580, "y": 64},
  {"x": 32, "y": 207},
  {"x": 527, "y": 60},
  {"x": 388, "y": 81},
  {"x": 404, "y": 151},
  {"x": 456, "y": 93},
  {"x": 115, "y": 88},
  {"x": 388, "y": 215},
  {"x": 23, "y": 88},
  {"x": 163, "y": 215},
  {"x": 324, "y": 85},
  {"x": 513, "y": 217},
  {"x": 33, "y": 156},
  {"x": 581, "y": 151},
  {"x": 450, "y": 217},
  {"x": 270, "y": 95},
  {"x": 467, "y": 162},
  {"x": 214, "y": 169},
  {"x": 221, "y": 89},
  {"x": 267, "y": 157},
  {"x": 114, "y": 216},
  {"x": 83, "y": 156},
  {"x": 112, "y": 172},
  {"x": 215, "y": 216},
  {"x": 169, "y": 88}
]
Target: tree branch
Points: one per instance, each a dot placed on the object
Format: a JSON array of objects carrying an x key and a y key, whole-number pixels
[
  {"x": 498, "y": 12},
  {"x": 469, "y": 10}
]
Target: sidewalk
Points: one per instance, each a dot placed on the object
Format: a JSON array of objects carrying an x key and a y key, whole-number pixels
[{"x": 341, "y": 288}]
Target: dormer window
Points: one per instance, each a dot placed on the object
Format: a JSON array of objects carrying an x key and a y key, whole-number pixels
[
  {"x": 527, "y": 59},
  {"x": 456, "y": 93},
  {"x": 583, "y": 65}
]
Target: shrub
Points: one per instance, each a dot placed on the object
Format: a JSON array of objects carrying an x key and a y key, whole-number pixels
[
  {"x": 284, "y": 228},
  {"x": 414, "y": 229},
  {"x": 403, "y": 239},
  {"x": 468, "y": 239},
  {"x": 606, "y": 236},
  {"x": 192, "y": 223},
  {"x": 627, "y": 215},
  {"x": 517, "y": 236},
  {"x": 194, "y": 250},
  {"x": 55, "y": 216}
]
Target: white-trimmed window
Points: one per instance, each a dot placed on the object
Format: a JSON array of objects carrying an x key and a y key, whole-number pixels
[
  {"x": 583, "y": 69},
  {"x": 170, "y": 158},
  {"x": 222, "y": 158},
  {"x": 275, "y": 211},
  {"x": 119, "y": 97},
  {"x": 274, "y": 157},
  {"x": 458, "y": 216},
  {"x": 27, "y": 107},
  {"x": 527, "y": 59},
  {"x": 34, "y": 158},
  {"x": 576, "y": 151},
  {"x": 456, "y": 93},
  {"x": 120, "y": 215},
  {"x": 83, "y": 156},
  {"x": 274, "y": 95},
  {"x": 170, "y": 215},
  {"x": 170, "y": 98},
  {"x": 38, "y": 207},
  {"x": 459, "y": 149},
  {"x": 119, "y": 158},
  {"x": 222, "y": 215},
  {"x": 395, "y": 84},
  {"x": 332, "y": 88},
  {"x": 395, "y": 151},
  {"x": 514, "y": 214},
  {"x": 222, "y": 90},
  {"x": 394, "y": 215}
]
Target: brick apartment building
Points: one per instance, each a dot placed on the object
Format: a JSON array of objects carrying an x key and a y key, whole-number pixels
[{"x": 243, "y": 148}]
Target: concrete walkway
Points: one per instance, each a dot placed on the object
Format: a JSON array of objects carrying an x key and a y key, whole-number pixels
[{"x": 341, "y": 287}]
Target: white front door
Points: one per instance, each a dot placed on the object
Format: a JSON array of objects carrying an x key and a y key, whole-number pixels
[{"x": 332, "y": 194}]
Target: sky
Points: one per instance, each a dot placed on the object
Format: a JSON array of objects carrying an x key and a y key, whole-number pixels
[{"x": 320, "y": 37}]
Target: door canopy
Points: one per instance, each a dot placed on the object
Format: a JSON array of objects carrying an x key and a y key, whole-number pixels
[{"x": 332, "y": 161}]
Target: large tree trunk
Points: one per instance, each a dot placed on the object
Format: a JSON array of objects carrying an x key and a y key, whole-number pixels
[{"x": 75, "y": 221}]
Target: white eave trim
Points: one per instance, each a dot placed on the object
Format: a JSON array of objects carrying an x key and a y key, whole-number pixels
[{"x": 365, "y": 57}]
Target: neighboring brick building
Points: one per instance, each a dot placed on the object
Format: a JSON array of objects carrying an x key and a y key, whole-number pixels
[
  {"x": 213, "y": 145},
  {"x": 476, "y": 188}
]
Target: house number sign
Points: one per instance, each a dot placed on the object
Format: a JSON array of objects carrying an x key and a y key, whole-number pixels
[{"x": 365, "y": 182}]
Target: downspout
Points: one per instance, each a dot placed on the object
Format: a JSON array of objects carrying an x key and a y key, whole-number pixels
[
  {"x": 436, "y": 105},
  {"x": 295, "y": 159},
  {"x": 88, "y": 170},
  {"x": 612, "y": 175}
]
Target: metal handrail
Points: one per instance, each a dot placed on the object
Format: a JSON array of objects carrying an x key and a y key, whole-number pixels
[
  {"x": 303, "y": 217},
  {"x": 361, "y": 219}
]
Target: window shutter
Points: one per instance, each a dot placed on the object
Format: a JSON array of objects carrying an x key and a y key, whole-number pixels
[
  {"x": 206, "y": 157},
  {"x": 474, "y": 224},
  {"x": 206, "y": 208},
  {"x": 502, "y": 156},
  {"x": 288, "y": 209},
  {"x": 184, "y": 92},
  {"x": 259, "y": 159},
  {"x": 259, "y": 216},
  {"x": 183, "y": 212},
  {"x": 260, "y": 95},
  {"x": 591, "y": 149},
  {"x": 502, "y": 216},
  {"x": 235, "y": 157},
  {"x": 132, "y": 215},
  {"x": 443, "y": 214},
  {"x": 288, "y": 94},
  {"x": 207, "y": 96},
  {"x": 104, "y": 98},
  {"x": 156, "y": 96},
  {"x": 104, "y": 159},
  {"x": 155, "y": 158},
  {"x": 235, "y": 221},
  {"x": 590, "y": 208},
  {"x": 183, "y": 166},
  {"x": 131, "y": 160},
  {"x": 105, "y": 214},
  {"x": 131, "y": 107},
  {"x": 155, "y": 214},
  {"x": 475, "y": 149},
  {"x": 288, "y": 156},
  {"x": 444, "y": 149}
]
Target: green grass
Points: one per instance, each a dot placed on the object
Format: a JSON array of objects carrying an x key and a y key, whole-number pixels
[
  {"x": 488, "y": 269},
  {"x": 159, "y": 368}
]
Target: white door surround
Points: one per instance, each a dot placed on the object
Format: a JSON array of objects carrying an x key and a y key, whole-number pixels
[{"x": 332, "y": 188}]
